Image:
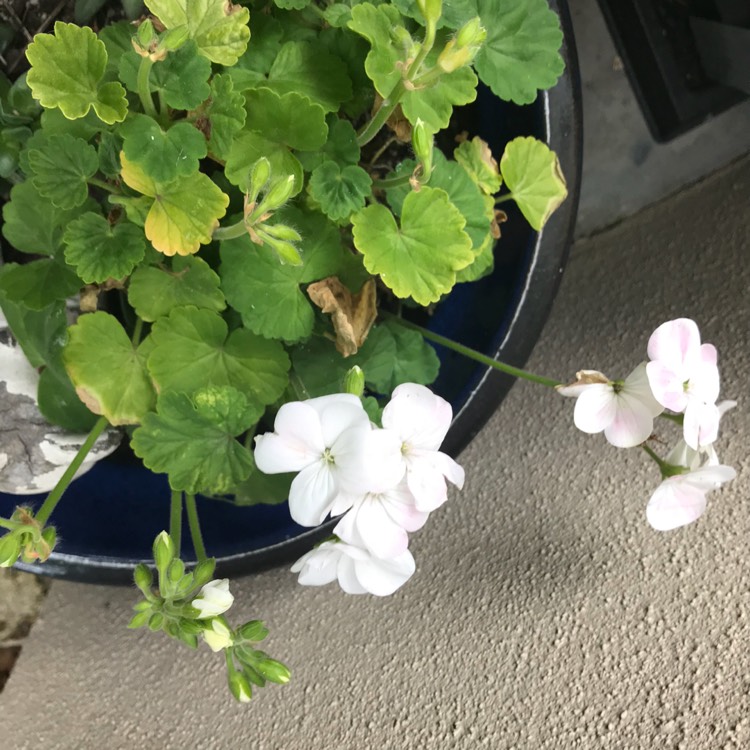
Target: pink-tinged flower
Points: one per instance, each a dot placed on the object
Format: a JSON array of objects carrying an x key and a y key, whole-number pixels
[
  {"x": 331, "y": 443},
  {"x": 691, "y": 458},
  {"x": 421, "y": 420},
  {"x": 681, "y": 499},
  {"x": 379, "y": 522},
  {"x": 357, "y": 571},
  {"x": 684, "y": 378},
  {"x": 623, "y": 411}
]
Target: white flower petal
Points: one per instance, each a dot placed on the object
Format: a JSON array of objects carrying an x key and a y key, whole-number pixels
[
  {"x": 369, "y": 460},
  {"x": 338, "y": 414},
  {"x": 399, "y": 503},
  {"x": 420, "y": 418},
  {"x": 319, "y": 566},
  {"x": 299, "y": 424},
  {"x": 380, "y": 534},
  {"x": 667, "y": 387},
  {"x": 632, "y": 424},
  {"x": 595, "y": 408},
  {"x": 274, "y": 454},
  {"x": 709, "y": 477},
  {"x": 383, "y": 577},
  {"x": 704, "y": 376},
  {"x": 637, "y": 385},
  {"x": 312, "y": 494},
  {"x": 347, "y": 575},
  {"x": 674, "y": 342},
  {"x": 700, "y": 425},
  {"x": 675, "y": 504},
  {"x": 427, "y": 485}
]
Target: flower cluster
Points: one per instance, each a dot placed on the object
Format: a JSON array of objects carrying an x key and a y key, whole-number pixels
[
  {"x": 383, "y": 481},
  {"x": 681, "y": 378}
]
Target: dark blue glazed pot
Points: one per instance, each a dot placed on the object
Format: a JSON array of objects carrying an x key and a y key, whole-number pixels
[{"x": 109, "y": 517}]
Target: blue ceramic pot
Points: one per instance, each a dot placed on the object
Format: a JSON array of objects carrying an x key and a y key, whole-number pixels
[{"x": 109, "y": 517}]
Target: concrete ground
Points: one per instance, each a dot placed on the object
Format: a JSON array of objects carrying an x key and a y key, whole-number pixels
[{"x": 545, "y": 612}]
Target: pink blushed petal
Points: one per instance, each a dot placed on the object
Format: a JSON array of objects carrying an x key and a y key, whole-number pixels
[
  {"x": 400, "y": 505},
  {"x": 381, "y": 535},
  {"x": 276, "y": 455},
  {"x": 383, "y": 577},
  {"x": 675, "y": 504},
  {"x": 674, "y": 343},
  {"x": 312, "y": 494},
  {"x": 700, "y": 425},
  {"x": 668, "y": 388},
  {"x": 632, "y": 424},
  {"x": 418, "y": 416},
  {"x": 595, "y": 408}
]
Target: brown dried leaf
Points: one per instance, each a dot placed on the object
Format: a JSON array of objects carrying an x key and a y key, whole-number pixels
[
  {"x": 500, "y": 218},
  {"x": 352, "y": 315}
]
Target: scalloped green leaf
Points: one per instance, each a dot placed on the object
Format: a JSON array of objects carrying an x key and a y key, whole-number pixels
[
  {"x": 108, "y": 372},
  {"x": 67, "y": 70},
  {"x": 434, "y": 104},
  {"x": 181, "y": 78},
  {"x": 339, "y": 192},
  {"x": 193, "y": 349},
  {"x": 522, "y": 51},
  {"x": 191, "y": 438},
  {"x": 531, "y": 172},
  {"x": 117, "y": 38},
  {"x": 39, "y": 283},
  {"x": 266, "y": 293},
  {"x": 222, "y": 116},
  {"x": 420, "y": 258},
  {"x": 164, "y": 156},
  {"x": 99, "y": 250},
  {"x": 476, "y": 158},
  {"x": 35, "y": 330},
  {"x": 62, "y": 168},
  {"x": 108, "y": 152},
  {"x": 184, "y": 213},
  {"x": 291, "y": 119},
  {"x": 292, "y": 4},
  {"x": 58, "y": 402},
  {"x": 54, "y": 122},
  {"x": 308, "y": 68},
  {"x": 155, "y": 292},
  {"x": 247, "y": 148},
  {"x": 341, "y": 146},
  {"x": 218, "y": 27},
  {"x": 31, "y": 224},
  {"x": 377, "y": 25}
]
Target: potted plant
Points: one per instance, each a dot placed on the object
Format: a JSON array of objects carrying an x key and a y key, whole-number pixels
[{"x": 257, "y": 210}]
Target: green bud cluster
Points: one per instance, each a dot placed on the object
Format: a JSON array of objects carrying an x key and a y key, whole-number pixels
[
  {"x": 25, "y": 539},
  {"x": 462, "y": 49},
  {"x": 148, "y": 43}
]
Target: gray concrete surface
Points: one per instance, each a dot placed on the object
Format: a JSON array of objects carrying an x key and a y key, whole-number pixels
[{"x": 545, "y": 613}]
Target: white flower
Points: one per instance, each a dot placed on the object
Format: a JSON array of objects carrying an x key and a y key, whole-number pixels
[
  {"x": 683, "y": 455},
  {"x": 218, "y": 636},
  {"x": 358, "y": 572},
  {"x": 214, "y": 598},
  {"x": 331, "y": 443},
  {"x": 623, "y": 411},
  {"x": 421, "y": 420},
  {"x": 684, "y": 378},
  {"x": 379, "y": 522},
  {"x": 681, "y": 499}
]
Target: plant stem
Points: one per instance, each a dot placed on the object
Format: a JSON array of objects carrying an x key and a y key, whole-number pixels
[
  {"x": 372, "y": 128},
  {"x": 382, "y": 149},
  {"x": 391, "y": 182},
  {"x": 516, "y": 372},
  {"x": 230, "y": 232},
  {"x": 101, "y": 184},
  {"x": 195, "y": 527},
  {"x": 6, "y": 523},
  {"x": 676, "y": 418},
  {"x": 53, "y": 498},
  {"x": 137, "y": 331},
  {"x": 144, "y": 90},
  {"x": 504, "y": 198},
  {"x": 175, "y": 519}
]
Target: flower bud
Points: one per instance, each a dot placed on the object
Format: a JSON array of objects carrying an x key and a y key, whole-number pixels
[
  {"x": 204, "y": 571},
  {"x": 421, "y": 140},
  {"x": 286, "y": 251},
  {"x": 164, "y": 551},
  {"x": 214, "y": 599},
  {"x": 143, "y": 578},
  {"x": 282, "y": 232},
  {"x": 155, "y": 621},
  {"x": 354, "y": 381},
  {"x": 253, "y": 676},
  {"x": 139, "y": 620},
  {"x": 146, "y": 33},
  {"x": 278, "y": 194},
  {"x": 260, "y": 173},
  {"x": 239, "y": 687},
  {"x": 431, "y": 9},
  {"x": 174, "y": 38},
  {"x": 272, "y": 670},
  {"x": 175, "y": 571},
  {"x": 10, "y": 548},
  {"x": 253, "y": 631},
  {"x": 471, "y": 34},
  {"x": 218, "y": 636}
]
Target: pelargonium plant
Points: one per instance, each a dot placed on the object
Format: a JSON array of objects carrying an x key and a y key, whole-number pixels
[{"x": 220, "y": 216}]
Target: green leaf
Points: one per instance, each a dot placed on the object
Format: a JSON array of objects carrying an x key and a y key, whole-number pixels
[
  {"x": 218, "y": 27},
  {"x": 532, "y": 173},
  {"x": 292, "y": 4},
  {"x": 164, "y": 156},
  {"x": 110, "y": 146},
  {"x": 86, "y": 10},
  {"x": 184, "y": 213},
  {"x": 35, "y": 330},
  {"x": 155, "y": 292},
  {"x": 266, "y": 293},
  {"x": 117, "y": 38},
  {"x": 54, "y": 122},
  {"x": 192, "y": 439},
  {"x": 222, "y": 116},
  {"x": 291, "y": 119},
  {"x": 19, "y": 107},
  {"x": 262, "y": 489},
  {"x": 353, "y": 51},
  {"x": 66, "y": 72},
  {"x": 31, "y": 224},
  {"x": 378, "y": 26},
  {"x": 434, "y": 104},
  {"x": 340, "y": 192},
  {"x": 483, "y": 263},
  {"x": 308, "y": 68},
  {"x": 62, "y": 169},
  {"x": 341, "y": 146},
  {"x": 59, "y": 403},
  {"x": 476, "y": 158},
  {"x": 247, "y": 148},
  {"x": 192, "y": 350},
  {"x": 39, "y": 283},
  {"x": 521, "y": 52},
  {"x": 109, "y": 374},
  {"x": 100, "y": 251},
  {"x": 182, "y": 77},
  {"x": 136, "y": 209},
  {"x": 455, "y": 12},
  {"x": 420, "y": 258},
  {"x": 255, "y": 63}
]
